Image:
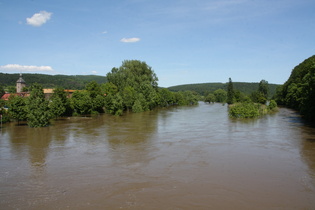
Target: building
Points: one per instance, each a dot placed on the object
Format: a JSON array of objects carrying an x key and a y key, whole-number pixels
[{"x": 20, "y": 84}]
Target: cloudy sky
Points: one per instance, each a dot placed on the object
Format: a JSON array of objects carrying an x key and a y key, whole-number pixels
[{"x": 184, "y": 41}]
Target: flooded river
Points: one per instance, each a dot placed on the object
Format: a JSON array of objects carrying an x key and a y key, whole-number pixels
[{"x": 177, "y": 158}]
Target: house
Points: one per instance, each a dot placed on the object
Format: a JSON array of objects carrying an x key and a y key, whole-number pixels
[{"x": 20, "y": 84}]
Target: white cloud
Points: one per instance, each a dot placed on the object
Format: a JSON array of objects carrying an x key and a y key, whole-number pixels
[
  {"x": 17, "y": 67},
  {"x": 104, "y": 32},
  {"x": 94, "y": 72},
  {"x": 129, "y": 40},
  {"x": 39, "y": 19}
]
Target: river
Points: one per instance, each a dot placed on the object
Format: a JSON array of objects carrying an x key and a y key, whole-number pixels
[{"x": 177, "y": 158}]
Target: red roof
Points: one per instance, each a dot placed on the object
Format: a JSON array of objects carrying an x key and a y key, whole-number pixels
[{"x": 7, "y": 95}]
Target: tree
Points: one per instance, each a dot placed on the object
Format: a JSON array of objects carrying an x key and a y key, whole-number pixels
[
  {"x": 220, "y": 95},
  {"x": 59, "y": 102},
  {"x": 2, "y": 92},
  {"x": 263, "y": 88},
  {"x": 37, "y": 107},
  {"x": 17, "y": 108},
  {"x": 131, "y": 85},
  {"x": 166, "y": 97},
  {"x": 81, "y": 102},
  {"x": 96, "y": 96},
  {"x": 230, "y": 93},
  {"x": 210, "y": 98},
  {"x": 298, "y": 92}
]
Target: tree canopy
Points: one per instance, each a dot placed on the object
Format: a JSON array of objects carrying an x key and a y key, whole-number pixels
[{"x": 298, "y": 92}]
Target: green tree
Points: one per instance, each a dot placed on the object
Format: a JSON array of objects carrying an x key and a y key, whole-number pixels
[
  {"x": 81, "y": 102},
  {"x": 114, "y": 104},
  {"x": 2, "y": 92},
  {"x": 17, "y": 108},
  {"x": 58, "y": 102},
  {"x": 210, "y": 98},
  {"x": 263, "y": 88},
  {"x": 37, "y": 107},
  {"x": 220, "y": 95},
  {"x": 109, "y": 88},
  {"x": 134, "y": 81},
  {"x": 11, "y": 89},
  {"x": 94, "y": 89},
  {"x": 166, "y": 97},
  {"x": 230, "y": 92}
]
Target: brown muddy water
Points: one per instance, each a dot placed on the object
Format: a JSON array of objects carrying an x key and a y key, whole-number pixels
[{"x": 177, "y": 158}]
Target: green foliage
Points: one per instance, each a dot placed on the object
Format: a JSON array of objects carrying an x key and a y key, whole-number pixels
[
  {"x": 166, "y": 97},
  {"x": 220, "y": 95},
  {"x": 77, "y": 82},
  {"x": 230, "y": 93},
  {"x": 81, "y": 102},
  {"x": 4, "y": 112},
  {"x": 2, "y": 92},
  {"x": 263, "y": 88},
  {"x": 298, "y": 92},
  {"x": 17, "y": 108},
  {"x": 38, "y": 114},
  {"x": 244, "y": 110},
  {"x": 59, "y": 103},
  {"x": 272, "y": 105},
  {"x": 114, "y": 104},
  {"x": 11, "y": 89},
  {"x": 210, "y": 98},
  {"x": 206, "y": 88},
  {"x": 186, "y": 98},
  {"x": 132, "y": 85}
]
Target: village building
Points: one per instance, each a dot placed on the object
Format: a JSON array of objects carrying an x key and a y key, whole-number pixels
[{"x": 20, "y": 84}]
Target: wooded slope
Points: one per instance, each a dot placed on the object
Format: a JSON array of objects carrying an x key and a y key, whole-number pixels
[
  {"x": 77, "y": 82},
  {"x": 206, "y": 88}
]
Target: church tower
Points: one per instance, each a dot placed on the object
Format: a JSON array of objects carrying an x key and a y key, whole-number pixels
[{"x": 20, "y": 84}]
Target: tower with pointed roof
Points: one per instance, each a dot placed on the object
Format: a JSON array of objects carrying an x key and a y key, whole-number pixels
[{"x": 20, "y": 84}]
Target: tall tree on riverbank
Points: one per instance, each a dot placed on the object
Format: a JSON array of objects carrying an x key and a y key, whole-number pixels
[
  {"x": 230, "y": 92},
  {"x": 37, "y": 107},
  {"x": 136, "y": 85}
]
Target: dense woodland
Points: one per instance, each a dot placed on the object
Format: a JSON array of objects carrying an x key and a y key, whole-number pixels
[
  {"x": 206, "y": 88},
  {"x": 75, "y": 82},
  {"x": 298, "y": 92}
]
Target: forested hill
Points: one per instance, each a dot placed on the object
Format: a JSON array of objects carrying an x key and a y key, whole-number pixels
[
  {"x": 77, "y": 82},
  {"x": 205, "y": 88}
]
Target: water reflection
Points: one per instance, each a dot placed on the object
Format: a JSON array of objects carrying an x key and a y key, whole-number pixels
[
  {"x": 182, "y": 157},
  {"x": 129, "y": 138}
]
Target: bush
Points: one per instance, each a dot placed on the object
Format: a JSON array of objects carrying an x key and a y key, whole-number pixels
[{"x": 244, "y": 110}]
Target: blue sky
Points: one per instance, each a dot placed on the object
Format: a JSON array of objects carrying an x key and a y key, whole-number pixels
[{"x": 184, "y": 41}]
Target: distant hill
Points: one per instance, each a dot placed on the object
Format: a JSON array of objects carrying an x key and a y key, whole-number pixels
[
  {"x": 206, "y": 88},
  {"x": 50, "y": 81}
]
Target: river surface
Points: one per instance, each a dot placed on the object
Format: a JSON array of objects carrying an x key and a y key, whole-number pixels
[{"x": 177, "y": 158}]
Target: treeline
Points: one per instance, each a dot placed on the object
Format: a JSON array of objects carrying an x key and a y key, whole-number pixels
[
  {"x": 298, "y": 92},
  {"x": 242, "y": 105},
  {"x": 76, "y": 82},
  {"x": 206, "y": 88},
  {"x": 131, "y": 87}
]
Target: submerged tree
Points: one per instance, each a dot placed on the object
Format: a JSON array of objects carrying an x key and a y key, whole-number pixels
[
  {"x": 59, "y": 102},
  {"x": 37, "y": 107},
  {"x": 17, "y": 108},
  {"x": 136, "y": 85},
  {"x": 230, "y": 93}
]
